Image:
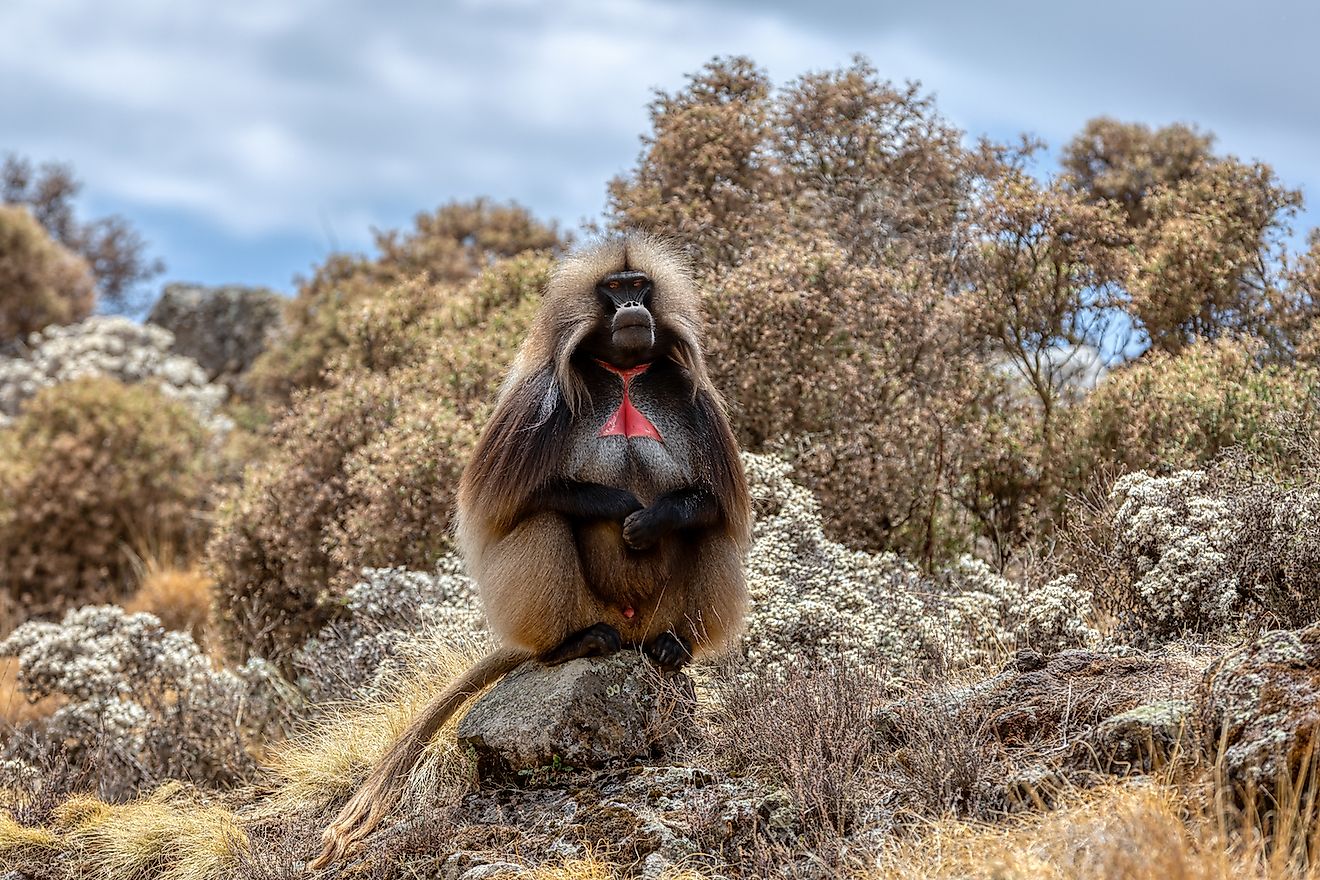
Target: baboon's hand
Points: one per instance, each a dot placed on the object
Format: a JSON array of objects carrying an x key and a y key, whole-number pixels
[{"x": 643, "y": 528}]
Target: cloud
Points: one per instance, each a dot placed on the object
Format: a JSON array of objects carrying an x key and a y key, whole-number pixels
[{"x": 308, "y": 121}]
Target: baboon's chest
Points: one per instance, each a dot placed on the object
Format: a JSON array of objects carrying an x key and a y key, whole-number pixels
[{"x": 634, "y": 434}]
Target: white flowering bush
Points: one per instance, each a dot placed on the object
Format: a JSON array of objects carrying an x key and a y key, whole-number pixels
[
  {"x": 386, "y": 613},
  {"x": 1215, "y": 551},
  {"x": 814, "y": 600},
  {"x": 981, "y": 615},
  {"x": 1174, "y": 538},
  {"x": 138, "y": 704},
  {"x": 114, "y": 347}
]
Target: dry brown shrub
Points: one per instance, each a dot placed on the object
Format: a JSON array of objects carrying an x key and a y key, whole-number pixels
[
  {"x": 40, "y": 282},
  {"x": 445, "y": 250},
  {"x": 808, "y": 733},
  {"x": 1302, "y": 302},
  {"x": 89, "y": 471},
  {"x": 363, "y": 472},
  {"x": 1165, "y": 412},
  {"x": 863, "y": 376}
]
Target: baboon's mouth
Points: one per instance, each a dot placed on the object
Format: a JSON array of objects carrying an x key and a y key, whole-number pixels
[{"x": 630, "y": 319}]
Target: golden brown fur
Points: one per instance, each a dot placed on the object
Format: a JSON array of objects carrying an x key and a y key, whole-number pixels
[{"x": 543, "y": 577}]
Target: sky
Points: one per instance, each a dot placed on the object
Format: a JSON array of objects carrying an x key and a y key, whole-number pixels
[{"x": 247, "y": 139}]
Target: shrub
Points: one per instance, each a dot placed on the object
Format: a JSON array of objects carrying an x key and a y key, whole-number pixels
[
  {"x": 815, "y": 601},
  {"x": 140, "y": 705},
  {"x": 383, "y": 614},
  {"x": 1167, "y": 411},
  {"x": 864, "y": 372},
  {"x": 120, "y": 349},
  {"x": 1211, "y": 551},
  {"x": 444, "y": 251},
  {"x": 41, "y": 283},
  {"x": 91, "y": 470},
  {"x": 363, "y": 473},
  {"x": 112, "y": 248},
  {"x": 804, "y": 734}
]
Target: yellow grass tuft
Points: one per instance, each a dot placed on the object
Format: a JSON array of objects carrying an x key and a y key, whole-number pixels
[
  {"x": 1120, "y": 832},
  {"x": 165, "y": 836},
  {"x": 334, "y": 756},
  {"x": 16, "y": 839},
  {"x": 180, "y": 597},
  {"x": 591, "y": 868}
]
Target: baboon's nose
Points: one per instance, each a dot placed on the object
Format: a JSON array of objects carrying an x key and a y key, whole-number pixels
[{"x": 631, "y": 316}]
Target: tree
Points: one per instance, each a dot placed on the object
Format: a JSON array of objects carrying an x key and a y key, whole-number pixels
[
  {"x": 1207, "y": 262},
  {"x": 41, "y": 282},
  {"x": 444, "y": 250},
  {"x": 1123, "y": 162},
  {"x": 114, "y": 250},
  {"x": 706, "y": 175}
]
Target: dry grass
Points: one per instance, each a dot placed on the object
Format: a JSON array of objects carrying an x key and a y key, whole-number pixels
[
  {"x": 332, "y": 757},
  {"x": 591, "y": 868},
  {"x": 167, "y": 836},
  {"x": 1122, "y": 832},
  {"x": 18, "y": 840},
  {"x": 179, "y": 596}
]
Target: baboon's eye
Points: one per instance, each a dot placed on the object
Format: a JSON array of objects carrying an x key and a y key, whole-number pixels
[{"x": 637, "y": 283}]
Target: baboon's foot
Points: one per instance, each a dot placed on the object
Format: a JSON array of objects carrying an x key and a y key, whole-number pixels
[
  {"x": 670, "y": 652},
  {"x": 597, "y": 640}
]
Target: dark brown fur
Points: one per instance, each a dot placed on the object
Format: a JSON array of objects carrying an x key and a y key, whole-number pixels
[{"x": 544, "y": 577}]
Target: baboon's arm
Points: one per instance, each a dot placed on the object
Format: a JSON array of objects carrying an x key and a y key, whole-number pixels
[
  {"x": 686, "y": 508},
  {"x": 580, "y": 500}
]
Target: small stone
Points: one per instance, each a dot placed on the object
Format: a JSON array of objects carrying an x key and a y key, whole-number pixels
[{"x": 587, "y": 713}]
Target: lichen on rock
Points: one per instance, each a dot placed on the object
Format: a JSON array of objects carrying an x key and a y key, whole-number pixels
[
  {"x": 1258, "y": 708},
  {"x": 587, "y": 713}
]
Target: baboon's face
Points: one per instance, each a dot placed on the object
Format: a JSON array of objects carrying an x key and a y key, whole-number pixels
[{"x": 626, "y": 334}]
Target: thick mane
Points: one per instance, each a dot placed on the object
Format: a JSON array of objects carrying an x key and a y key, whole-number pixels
[
  {"x": 521, "y": 444},
  {"x": 568, "y": 311}
]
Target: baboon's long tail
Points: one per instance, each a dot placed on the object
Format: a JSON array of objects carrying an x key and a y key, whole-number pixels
[{"x": 381, "y": 791}]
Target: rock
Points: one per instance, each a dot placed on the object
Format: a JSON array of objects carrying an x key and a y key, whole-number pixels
[
  {"x": 222, "y": 328},
  {"x": 1061, "y": 697},
  {"x": 1258, "y": 708},
  {"x": 1140, "y": 740},
  {"x": 587, "y": 713},
  {"x": 492, "y": 871}
]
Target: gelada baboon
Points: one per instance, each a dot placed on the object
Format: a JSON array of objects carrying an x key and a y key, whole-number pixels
[{"x": 605, "y": 504}]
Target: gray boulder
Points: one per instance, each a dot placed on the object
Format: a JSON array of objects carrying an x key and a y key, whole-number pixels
[
  {"x": 1258, "y": 709},
  {"x": 1141, "y": 740},
  {"x": 222, "y": 328},
  {"x": 589, "y": 713}
]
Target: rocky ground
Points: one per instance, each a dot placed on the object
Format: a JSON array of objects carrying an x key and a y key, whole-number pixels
[{"x": 552, "y": 786}]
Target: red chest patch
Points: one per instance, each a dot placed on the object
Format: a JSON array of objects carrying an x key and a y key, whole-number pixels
[{"x": 627, "y": 421}]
